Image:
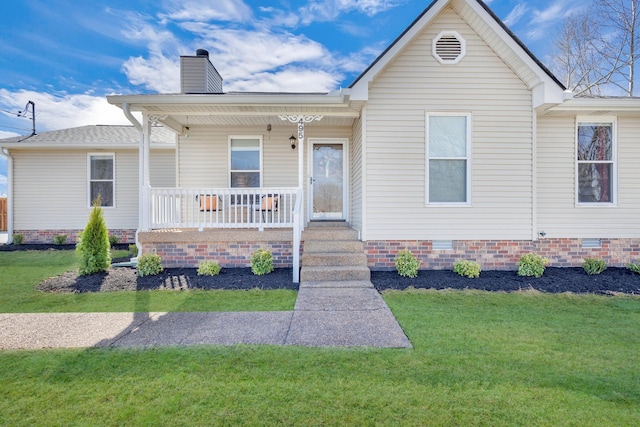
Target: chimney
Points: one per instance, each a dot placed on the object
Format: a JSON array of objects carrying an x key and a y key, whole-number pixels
[{"x": 198, "y": 75}]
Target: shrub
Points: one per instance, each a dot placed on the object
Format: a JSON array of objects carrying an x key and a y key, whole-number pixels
[
  {"x": 532, "y": 265},
  {"x": 465, "y": 268},
  {"x": 133, "y": 250},
  {"x": 18, "y": 239},
  {"x": 407, "y": 264},
  {"x": 60, "y": 239},
  {"x": 113, "y": 240},
  {"x": 93, "y": 243},
  {"x": 593, "y": 266},
  {"x": 634, "y": 267},
  {"x": 149, "y": 265},
  {"x": 261, "y": 262},
  {"x": 208, "y": 268}
]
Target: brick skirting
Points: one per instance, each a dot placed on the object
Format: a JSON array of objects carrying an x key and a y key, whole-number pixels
[
  {"x": 231, "y": 248},
  {"x": 47, "y": 236},
  {"x": 501, "y": 254}
]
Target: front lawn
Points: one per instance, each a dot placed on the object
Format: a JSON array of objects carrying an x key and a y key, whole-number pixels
[
  {"x": 480, "y": 359},
  {"x": 21, "y": 271}
]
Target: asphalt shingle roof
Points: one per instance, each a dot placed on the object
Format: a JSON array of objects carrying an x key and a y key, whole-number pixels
[{"x": 94, "y": 135}]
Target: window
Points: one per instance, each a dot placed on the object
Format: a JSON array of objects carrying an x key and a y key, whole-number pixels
[
  {"x": 246, "y": 162},
  {"x": 102, "y": 179},
  {"x": 448, "y": 140},
  {"x": 596, "y": 161}
]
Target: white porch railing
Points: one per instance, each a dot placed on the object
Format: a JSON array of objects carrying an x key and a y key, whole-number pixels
[{"x": 223, "y": 207}]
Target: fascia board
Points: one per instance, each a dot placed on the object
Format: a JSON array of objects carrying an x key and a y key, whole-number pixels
[{"x": 44, "y": 145}]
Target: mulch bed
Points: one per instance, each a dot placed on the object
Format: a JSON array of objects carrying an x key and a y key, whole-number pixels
[{"x": 613, "y": 280}]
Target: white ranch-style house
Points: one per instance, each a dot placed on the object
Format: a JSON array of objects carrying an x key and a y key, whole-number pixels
[{"x": 456, "y": 143}]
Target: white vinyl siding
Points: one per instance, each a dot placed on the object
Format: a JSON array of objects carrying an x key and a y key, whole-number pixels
[
  {"x": 63, "y": 204},
  {"x": 162, "y": 169},
  {"x": 501, "y": 173},
  {"x": 203, "y": 159},
  {"x": 558, "y": 213},
  {"x": 356, "y": 178}
]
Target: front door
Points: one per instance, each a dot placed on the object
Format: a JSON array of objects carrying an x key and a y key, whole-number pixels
[{"x": 328, "y": 185}]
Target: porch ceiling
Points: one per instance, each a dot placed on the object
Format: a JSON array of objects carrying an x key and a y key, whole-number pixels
[{"x": 246, "y": 115}]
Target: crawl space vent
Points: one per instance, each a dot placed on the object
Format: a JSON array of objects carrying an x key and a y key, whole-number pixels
[{"x": 449, "y": 47}]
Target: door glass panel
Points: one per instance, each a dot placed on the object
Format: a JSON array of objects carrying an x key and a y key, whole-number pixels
[{"x": 328, "y": 181}]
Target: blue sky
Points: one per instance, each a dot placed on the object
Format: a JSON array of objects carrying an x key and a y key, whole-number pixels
[{"x": 67, "y": 55}]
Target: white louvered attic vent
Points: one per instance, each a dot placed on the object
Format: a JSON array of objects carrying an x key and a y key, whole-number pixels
[{"x": 448, "y": 47}]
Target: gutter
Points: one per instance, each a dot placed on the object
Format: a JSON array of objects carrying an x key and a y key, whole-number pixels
[
  {"x": 138, "y": 126},
  {"x": 9, "y": 195}
]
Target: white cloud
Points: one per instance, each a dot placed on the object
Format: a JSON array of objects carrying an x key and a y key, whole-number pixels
[
  {"x": 288, "y": 80},
  {"x": 4, "y": 134},
  {"x": 543, "y": 20},
  {"x": 59, "y": 111},
  {"x": 207, "y": 10},
  {"x": 328, "y": 10},
  {"x": 157, "y": 73},
  {"x": 516, "y": 14}
]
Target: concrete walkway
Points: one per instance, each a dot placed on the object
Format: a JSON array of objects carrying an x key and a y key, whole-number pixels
[{"x": 345, "y": 314}]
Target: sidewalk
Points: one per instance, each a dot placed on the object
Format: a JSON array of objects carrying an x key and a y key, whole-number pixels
[{"x": 344, "y": 314}]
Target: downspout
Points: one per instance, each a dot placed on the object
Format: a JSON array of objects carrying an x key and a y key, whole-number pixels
[
  {"x": 9, "y": 195},
  {"x": 534, "y": 175},
  {"x": 138, "y": 126}
]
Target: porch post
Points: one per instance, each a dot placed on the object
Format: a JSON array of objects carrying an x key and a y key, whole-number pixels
[{"x": 145, "y": 175}]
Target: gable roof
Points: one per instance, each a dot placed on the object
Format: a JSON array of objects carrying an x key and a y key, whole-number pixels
[
  {"x": 91, "y": 136},
  {"x": 492, "y": 23}
]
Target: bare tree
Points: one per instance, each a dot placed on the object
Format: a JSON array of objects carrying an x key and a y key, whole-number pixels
[
  {"x": 620, "y": 23},
  {"x": 596, "y": 52}
]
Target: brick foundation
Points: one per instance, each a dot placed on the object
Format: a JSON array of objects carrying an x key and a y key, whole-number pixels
[
  {"x": 502, "y": 254},
  {"x": 47, "y": 236},
  {"x": 229, "y": 248}
]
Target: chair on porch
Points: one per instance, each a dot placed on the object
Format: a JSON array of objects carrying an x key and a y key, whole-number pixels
[
  {"x": 208, "y": 202},
  {"x": 269, "y": 204}
]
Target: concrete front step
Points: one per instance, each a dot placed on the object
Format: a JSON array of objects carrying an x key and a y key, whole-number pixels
[
  {"x": 335, "y": 273},
  {"x": 333, "y": 246},
  {"x": 334, "y": 259},
  {"x": 329, "y": 233}
]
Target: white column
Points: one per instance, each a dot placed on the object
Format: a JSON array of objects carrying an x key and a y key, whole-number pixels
[{"x": 145, "y": 176}]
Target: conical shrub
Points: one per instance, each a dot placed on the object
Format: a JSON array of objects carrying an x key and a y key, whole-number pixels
[{"x": 93, "y": 246}]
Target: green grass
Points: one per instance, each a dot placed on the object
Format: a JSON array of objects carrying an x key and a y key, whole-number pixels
[
  {"x": 22, "y": 271},
  {"x": 480, "y": 359}
]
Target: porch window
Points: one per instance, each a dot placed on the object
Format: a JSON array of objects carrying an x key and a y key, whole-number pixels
[
  {"x": 245, "y": 162},
  {"x": 596, "y": 161},
  {"x": 448, "y": 147},
  {"x": 102, "y": 179}
]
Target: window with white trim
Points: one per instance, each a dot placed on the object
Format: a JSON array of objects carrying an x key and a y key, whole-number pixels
[
  {"x": 448, "y": 160},
  {"x": 102, "y": 181},
  {"x": 596, "y": 161},
  {"x": 245, "y": 161}
]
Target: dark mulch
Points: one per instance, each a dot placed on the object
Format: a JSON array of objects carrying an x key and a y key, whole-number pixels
[
  {"x": 613, "y": 280},
  {"x": 555, "y": 280},
  {"x": 126, "y": 279}
]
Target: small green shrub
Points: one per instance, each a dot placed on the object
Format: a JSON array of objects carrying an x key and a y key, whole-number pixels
[
  {"x": 149, "y": 265},
  {"x": 407, "y": 264},
  {"x": 532, "y": 265},
  {"x": 634, "y": 267},
  {"x": 18, "y": 239},
  {"x": 209, "y": 268},
  {"x": 593, "y": 266},
  {"x": 466, "y": 268},
  {"x": 60, "y": 239},
  {"x": 133, "y": 250},
  {"x": 93, "y": 248},
  {"x": 113, "y": 240},
  {"x": 261, "y": 262}
]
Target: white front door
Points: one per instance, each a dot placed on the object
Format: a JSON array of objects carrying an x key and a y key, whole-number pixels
[{"x": 328, "y": 184}]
